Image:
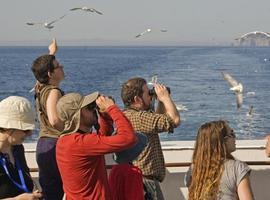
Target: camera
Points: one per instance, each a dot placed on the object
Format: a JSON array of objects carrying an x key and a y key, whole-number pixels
[{"x": 152, "y": 91}]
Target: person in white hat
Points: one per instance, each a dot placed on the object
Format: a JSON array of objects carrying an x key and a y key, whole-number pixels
[{"x": 16, "y": 122}]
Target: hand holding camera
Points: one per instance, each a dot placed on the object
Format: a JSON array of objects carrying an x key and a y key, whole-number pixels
[
  {"x": 152, "y": 91},
  {"x": 160, "y": 91},
  {"x": 104, "y": 102}
]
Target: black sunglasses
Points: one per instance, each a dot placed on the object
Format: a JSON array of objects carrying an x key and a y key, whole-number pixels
[
  {"x": 92, "y": 106},
  {"x": 58, "y": 66},
  {"x": 230, "y": 135}
]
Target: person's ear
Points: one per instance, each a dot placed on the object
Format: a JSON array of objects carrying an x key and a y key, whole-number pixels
[
  {"x": 49, "y": 74},
  {"x": 138, "y": 100}
]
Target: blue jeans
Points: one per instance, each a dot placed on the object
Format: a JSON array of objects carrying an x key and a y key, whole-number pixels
[{"x": 49, "y": 176}]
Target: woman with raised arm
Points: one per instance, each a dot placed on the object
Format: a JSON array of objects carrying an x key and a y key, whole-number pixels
[
  {"x": 16, "y": 122},
  {"x": 214, "y": 173},
  {"x": 49, "y": 74}
]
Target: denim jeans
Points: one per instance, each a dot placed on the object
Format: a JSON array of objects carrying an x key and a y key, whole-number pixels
[{"x": 49, "y": 176}]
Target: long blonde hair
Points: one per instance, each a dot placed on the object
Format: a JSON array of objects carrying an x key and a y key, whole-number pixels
[{"x": 208, "y": 160}]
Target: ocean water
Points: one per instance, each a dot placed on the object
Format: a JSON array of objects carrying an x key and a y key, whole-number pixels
[{"x": 192, "y": 73}]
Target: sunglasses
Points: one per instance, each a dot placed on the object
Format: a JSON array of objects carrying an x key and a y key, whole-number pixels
[
  {"x": 230, "y": 135},
  {"x": 27, "y": 131},
  {"x": 58, "y": 66},
  {"x": 92, "y": 106}
]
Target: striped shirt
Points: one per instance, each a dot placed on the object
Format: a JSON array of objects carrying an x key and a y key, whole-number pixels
[{"x": 151, "y": 160}]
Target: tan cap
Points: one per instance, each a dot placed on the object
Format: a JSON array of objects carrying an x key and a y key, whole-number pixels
[{"x": 69, "y": 107}]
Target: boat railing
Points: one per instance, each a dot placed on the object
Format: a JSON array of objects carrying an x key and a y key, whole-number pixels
[{"x": 179, "y": 164}]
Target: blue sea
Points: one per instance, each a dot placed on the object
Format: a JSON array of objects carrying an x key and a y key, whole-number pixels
[{"x": 192, "y": 73}]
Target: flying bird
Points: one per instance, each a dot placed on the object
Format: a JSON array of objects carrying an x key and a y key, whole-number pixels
[
  {"x": 236, "y": 87},
  {"x": 153, "y": 80},
  {"x": 181, "y": 107},
  {"x": 86, "y": 9},
  {"x": 48, "y": 25},
  {"x": 250, "y": 111},
  {"x": 141, "y": 34},
  {"x": 251, "y": 94}
]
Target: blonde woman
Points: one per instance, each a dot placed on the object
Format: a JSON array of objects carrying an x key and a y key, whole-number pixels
[{"x": 215, "y": 174}]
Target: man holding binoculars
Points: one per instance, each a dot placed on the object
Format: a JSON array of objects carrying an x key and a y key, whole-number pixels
[{"x": 137, "y": 99}]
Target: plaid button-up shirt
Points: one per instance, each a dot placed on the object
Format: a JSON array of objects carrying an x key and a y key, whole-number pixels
[{"x": 151, "y": 160}]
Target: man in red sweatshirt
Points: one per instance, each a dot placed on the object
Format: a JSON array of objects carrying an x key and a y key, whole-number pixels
[{"x": 80, "y": 150}]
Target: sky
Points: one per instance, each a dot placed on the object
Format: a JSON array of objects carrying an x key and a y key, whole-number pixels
[{"x": 188, "y": 22}]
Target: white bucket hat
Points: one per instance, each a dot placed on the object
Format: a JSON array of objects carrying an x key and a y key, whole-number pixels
[{"x": 16, "y": 113}]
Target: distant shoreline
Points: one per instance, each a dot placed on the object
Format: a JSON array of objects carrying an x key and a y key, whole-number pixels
[{"x": 128, "y": 45}]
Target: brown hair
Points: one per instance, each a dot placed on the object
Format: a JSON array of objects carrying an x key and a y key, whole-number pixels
[
  {"x": 208, "y": 160},
  {"x": 41, "y": 66},
  {"x": 133, "y": 87}
]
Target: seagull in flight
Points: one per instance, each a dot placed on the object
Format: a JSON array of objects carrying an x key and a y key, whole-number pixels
[
  {"x": 250, "y": 111},
  {"x": 153, "y": 80},
  {"x": 141, "y": 34},
  {"x": 181, "y": 107},
  {"x": 86, "y": 9},
  {"x": 236, "y": 87},
  {"x": 48, "y": 25},
  {"x": 163, "y": 30}
]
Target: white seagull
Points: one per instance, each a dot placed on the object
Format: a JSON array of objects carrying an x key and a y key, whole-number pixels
[
  {"x": 141, "y": 34},
  {"x": 236, "y": 87},
  {"x": 48, "y": 25},
  {"x": 181, "y": 107},
  {"x": 163, "y": 30},
  {"x": 252, "y": 94},
  {"x": 153, "y": 80},
  {"x": 86, "y": 9}
]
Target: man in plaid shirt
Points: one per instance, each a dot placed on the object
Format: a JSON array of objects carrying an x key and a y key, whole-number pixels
[{"x": 137, "y": 100}]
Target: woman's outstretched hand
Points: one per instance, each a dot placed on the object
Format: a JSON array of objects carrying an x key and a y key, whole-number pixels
[{"x": 53, "y": 47}]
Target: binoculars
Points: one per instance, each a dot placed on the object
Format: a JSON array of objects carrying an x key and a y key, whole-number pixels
[{"x": 152, "y": 91}]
